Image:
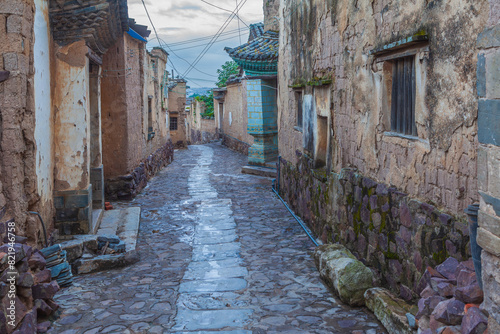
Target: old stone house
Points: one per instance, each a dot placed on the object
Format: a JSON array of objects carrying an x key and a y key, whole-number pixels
[
  {"x": 231, "y": 115},
  {"x": 50, "y": 107},
  {"x": 177, "y": 111},
  {"x": 56, "y": 82},
  {"x": 255, "y": 91},
  {"x": 378, "y": 127},
  {"x": 136, "y": 138}
]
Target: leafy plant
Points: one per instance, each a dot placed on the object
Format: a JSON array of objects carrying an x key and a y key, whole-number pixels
[
  {"x": 228, "y": 68},
  {"x": 208, "y": 100}
]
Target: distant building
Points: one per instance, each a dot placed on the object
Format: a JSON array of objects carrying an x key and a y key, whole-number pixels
[{"x": 177, "y": 112}]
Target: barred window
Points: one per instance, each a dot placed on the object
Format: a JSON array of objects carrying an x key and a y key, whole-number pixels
[{"x": 173, "y": 123}]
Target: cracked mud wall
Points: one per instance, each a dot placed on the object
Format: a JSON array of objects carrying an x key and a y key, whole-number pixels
[
  {"x": 334, "y": 44},
  {"x": 25, "y": 115}
]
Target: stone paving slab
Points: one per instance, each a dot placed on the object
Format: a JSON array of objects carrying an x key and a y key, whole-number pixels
[
  {"x": 211, "y": 319},
  {"x": 223, "y": 284},
  {"x": 283, "y": 292}
]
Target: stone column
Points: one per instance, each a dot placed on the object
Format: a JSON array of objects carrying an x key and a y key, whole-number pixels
[
  {"x": 72, "y": 188},
  {"x": 488, "y": 89},
  {"x": 262, "y": 121},
  {"x": 96, "y": 170}
]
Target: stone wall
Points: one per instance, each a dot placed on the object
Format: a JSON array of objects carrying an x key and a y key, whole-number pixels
[
  {"x": 19, "y": 183},
  {"x": 488, "y": 75},
  {"x": 345, "y": 84},
  {"x": 234, "y": 144},
  {"x": 271, "y": 13},
  {"x": 396, "y": 235},
  {"x": 126, "y": 187},
  {"x": 201, "y": 130}
]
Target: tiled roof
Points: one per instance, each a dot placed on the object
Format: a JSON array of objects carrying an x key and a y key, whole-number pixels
[
  {"x": 258, "y": 56},
  {"x": 256, "y": 30}
]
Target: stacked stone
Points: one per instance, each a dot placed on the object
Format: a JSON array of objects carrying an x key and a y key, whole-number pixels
[
  {"x": 34, "y": 291},
  {"x": 450, "y": 301},
  {"x": 126, "y": 187}
]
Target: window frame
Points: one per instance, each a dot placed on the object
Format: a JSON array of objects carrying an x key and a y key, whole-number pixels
[{"x": 171, "y": 123}]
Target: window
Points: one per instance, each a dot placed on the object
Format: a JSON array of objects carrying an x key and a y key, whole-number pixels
[
  {"x": 298, "y": 99},
  {"x": 403, "y": 96},
  {"x": 173, "y": 123}
]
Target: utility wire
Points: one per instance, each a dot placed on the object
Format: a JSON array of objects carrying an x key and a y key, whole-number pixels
[
  {"x": 221, "y": 29},
  {"x": 199, "y": 39},
  {"x": 227, "y": 10},
  {"x": 237, "y": 14}
]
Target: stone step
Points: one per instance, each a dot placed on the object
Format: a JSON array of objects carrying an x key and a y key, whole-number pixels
[
  {"x": 123, "y": 223},
  {"x": 96, "y": 220},
  {"x": 259, "y": 171}
]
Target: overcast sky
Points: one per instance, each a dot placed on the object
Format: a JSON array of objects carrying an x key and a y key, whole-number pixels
[{"x": 178, "y": 21}]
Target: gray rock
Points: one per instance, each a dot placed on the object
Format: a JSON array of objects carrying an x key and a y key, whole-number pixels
[
  {"x": 391, "y": 311},
  {"x": 348, "y": 277}
]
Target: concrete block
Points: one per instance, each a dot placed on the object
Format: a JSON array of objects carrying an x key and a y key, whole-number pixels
[
  {"x": 488, "y": 241},
  {"x": 489, "y": 38},
  {"x": 77, "y": 201},
  {"x": 59, "y": 202},
  {"x": 493, "y": 76},
  {"x": 488, "y": 120},
  {"x": 481, "y": 75}
]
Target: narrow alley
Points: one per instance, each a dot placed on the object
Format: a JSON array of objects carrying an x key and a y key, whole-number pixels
[{"x": 218, "y": 253}]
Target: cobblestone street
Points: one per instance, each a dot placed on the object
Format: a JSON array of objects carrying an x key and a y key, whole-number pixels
[{"x": 219, "y": 252}]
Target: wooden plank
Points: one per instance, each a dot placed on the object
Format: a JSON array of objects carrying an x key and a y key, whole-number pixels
[
  {"x": 413, "y": 96},
  {"x": 394, "y": 104},
  {"x": 400, "y": 95}
]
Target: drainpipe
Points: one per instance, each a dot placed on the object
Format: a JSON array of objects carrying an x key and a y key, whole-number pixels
[
  {"x": 472, "y": 213},
  {"x": 43, "y": 225}
]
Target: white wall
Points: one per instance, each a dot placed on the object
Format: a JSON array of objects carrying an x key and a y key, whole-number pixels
[{"x": 43, "y": 112}]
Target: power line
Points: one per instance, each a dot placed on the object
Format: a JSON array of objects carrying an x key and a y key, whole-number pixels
[
  {"x": 199, "y": 45},
  {"x": 221, "y": 29},
  {"x": 227, "y": 10},
  {"x": 190, "y": 41}
]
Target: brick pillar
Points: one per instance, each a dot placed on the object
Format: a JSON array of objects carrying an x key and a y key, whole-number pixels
[
  {"x": 262, "y": 121},
  {"x": 488, "y": 89}
]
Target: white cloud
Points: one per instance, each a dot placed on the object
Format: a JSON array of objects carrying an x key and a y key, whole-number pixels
[{"x": 177, "y": 21}]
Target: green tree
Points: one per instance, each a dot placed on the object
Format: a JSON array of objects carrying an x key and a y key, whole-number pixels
[
  {"x": 229, "y": 68},
  {"x": 208, "y": 100}
]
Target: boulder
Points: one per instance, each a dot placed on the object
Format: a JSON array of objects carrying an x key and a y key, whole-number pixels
[
  {"x": 389, "y": 310},
  {"x": 427, "y": 305},
  {"x": 445, "y": 289},
  {"x": 474, "y": 322},
  {"x": 43, "y": 276},
  {"x": 45, "y": 290},
  {"x": 42, "y": 308},
  {"x": 427, "y": 292},
  {"x": 450, "y": 330},
  {"x": 348, "y": 277},
  {"x": 448, "y": 268},
  {"x": 449, "y": 312},
  {"x": 465, "y": 278},
  {"x": 37, "y": 261},
  {"x": 43, "y": 327},
  {"x": 28, "y": 324},
  {"x": 471, "y": 294}
]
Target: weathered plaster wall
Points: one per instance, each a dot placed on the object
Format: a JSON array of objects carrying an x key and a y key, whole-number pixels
[
  {"x": 439, "y": 166},
  {"x": 114, "y": 106},
  {"x": 176, "y": 108},
  {"x": 130, "y": 77},
  {"x": 72, "y": 117},
  {"x": 488, "y": 83},
  {"x": 18, "y": 157}
]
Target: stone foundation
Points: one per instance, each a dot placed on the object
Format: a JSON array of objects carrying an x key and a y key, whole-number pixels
[
  {"x": 235, "y": 144},
  {"x": 73, "y": 211},
  {"x": 395, "y": 235},
  {"x": 126, "y": 187}
]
